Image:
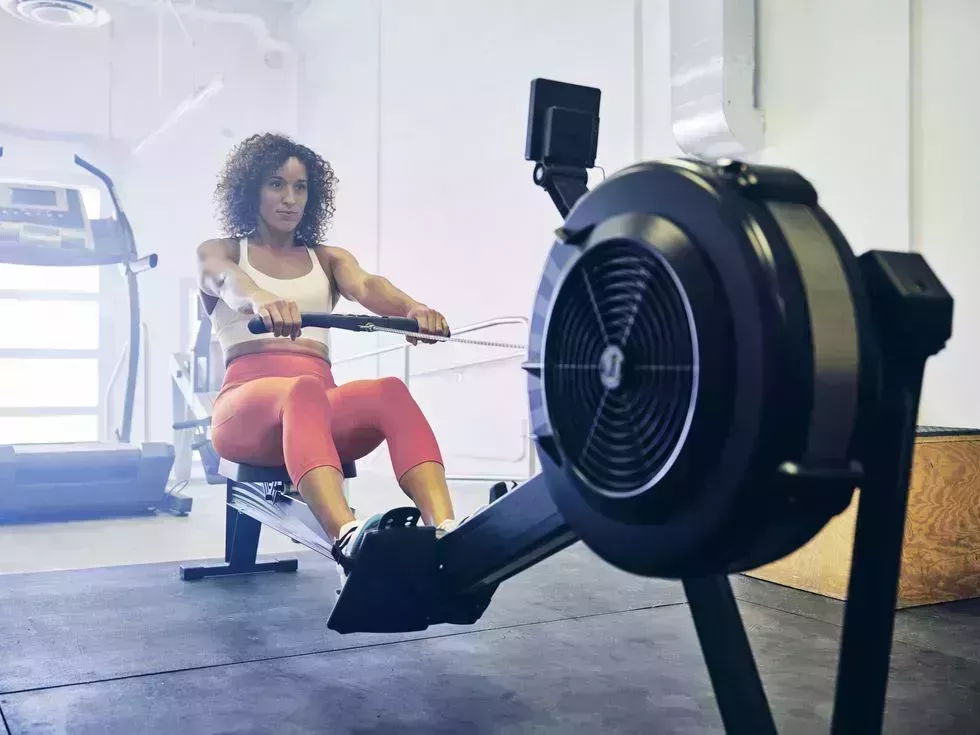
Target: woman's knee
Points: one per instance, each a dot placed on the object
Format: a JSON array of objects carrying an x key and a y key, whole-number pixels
[
  {"x": 393, "y": 388},
  {"x": 394, "y": 394},
  {"x": 307, "y": 390}
]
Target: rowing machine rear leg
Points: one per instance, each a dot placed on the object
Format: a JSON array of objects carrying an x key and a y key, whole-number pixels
[
  {"x": 178, "y": 505},
  {"x": 241, "y": 550}
]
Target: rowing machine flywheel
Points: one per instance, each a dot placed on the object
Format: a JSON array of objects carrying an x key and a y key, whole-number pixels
[{"x": 701, "y": 369}]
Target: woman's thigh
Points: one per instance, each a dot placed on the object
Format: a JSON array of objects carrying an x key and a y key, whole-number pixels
[
  {"x": 246, "y": 424},
  {"x": 355, "y": 409},
  {"x": 246, "y": 421}
]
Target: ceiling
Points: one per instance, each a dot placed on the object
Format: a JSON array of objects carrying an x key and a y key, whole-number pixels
[
  {"x": 95, "y": 13},
  {"x": 122, "y": 81}
]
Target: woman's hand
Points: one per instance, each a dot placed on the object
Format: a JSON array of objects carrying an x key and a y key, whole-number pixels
[
  {"x": 281, "y": 316},
  {"x": 430, "y": 321}
]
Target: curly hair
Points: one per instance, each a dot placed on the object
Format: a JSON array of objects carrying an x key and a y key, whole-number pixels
[{"x": 247, "y": 167}]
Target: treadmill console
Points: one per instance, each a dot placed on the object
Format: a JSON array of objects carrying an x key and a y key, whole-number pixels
[{"x": 43, "y": 216}]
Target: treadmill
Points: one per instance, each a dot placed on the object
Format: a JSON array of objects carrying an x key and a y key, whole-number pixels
[{"x": 44, "y": 225}]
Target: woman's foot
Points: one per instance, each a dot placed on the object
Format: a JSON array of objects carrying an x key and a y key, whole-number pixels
[
  {"x": 451, "y": 524},
  {"x": 351, "y": 538},
  {"x": 496, "y": 493}
]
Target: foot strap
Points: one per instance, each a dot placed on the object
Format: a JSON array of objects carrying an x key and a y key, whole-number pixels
[{"x": 394, "y": 518}]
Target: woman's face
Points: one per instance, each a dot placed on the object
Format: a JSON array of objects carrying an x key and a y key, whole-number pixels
[{"x": 283, "y": 196}]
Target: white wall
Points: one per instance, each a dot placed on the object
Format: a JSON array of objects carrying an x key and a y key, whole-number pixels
[
  {"x": 946, "y": 190},
  {"x": 819, "y": 65},
  {"x": 422, "y": 108},
  {"x": 462, "y": 225},
  {"x": 339, "y": 118}
]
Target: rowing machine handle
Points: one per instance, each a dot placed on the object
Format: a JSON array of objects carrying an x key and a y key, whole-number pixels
[{"x": 351, "y": 322}]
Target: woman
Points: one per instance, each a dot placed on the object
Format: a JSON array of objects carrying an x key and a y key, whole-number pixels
[{"x": 279, "y": 404}]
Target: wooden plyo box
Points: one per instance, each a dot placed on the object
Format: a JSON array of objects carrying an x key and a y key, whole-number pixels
[{"x": 941, "y": 553}]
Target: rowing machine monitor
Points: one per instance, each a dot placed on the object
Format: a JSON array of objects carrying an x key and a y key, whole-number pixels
[{"x": 562, "y": 138}]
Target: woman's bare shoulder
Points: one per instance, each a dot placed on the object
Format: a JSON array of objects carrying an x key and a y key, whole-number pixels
[{"x": 226, "y": 246}]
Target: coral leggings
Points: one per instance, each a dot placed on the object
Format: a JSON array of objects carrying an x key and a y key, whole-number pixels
[{"x": 279, "y": 408}]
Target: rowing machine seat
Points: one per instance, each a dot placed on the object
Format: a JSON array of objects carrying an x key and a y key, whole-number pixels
[{"x": 240, "y": 472}]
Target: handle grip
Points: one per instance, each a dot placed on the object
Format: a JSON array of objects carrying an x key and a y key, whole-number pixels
[{"x": 350, "y": 322}]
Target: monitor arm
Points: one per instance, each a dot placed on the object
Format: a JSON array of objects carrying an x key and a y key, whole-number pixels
[{"x": 565, "y": 184}]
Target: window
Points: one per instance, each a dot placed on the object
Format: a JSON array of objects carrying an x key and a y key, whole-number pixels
[
  {"x": 48, "y": 429},
  {"x": 49, "y": 350},
  {"x": 49, "y": 324},
  {"x": 29, "y": 278},
  {"x": 49, "y": 382},
  {"x": 92, "y": 201}
]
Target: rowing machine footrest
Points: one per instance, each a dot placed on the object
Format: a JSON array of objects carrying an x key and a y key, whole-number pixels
[
  {"x": 390, "y": 585},
  {"x": 461, "y": 609}
]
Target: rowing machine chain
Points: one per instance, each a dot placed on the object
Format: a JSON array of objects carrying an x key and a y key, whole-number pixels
[{"x": 443, "y": 338}]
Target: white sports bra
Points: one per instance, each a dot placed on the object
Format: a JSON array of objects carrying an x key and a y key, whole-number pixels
[{"x": 311, "y": 292}]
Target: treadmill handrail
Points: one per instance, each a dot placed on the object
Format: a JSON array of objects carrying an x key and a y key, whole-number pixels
[
  {"x": 130, "y": 255},
  {"x": 128, "y": 236}
]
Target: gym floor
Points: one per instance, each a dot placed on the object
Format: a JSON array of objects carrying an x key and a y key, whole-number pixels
[{"x": 99, "y": 635}]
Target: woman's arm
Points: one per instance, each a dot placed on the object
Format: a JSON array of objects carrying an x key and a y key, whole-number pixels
[
  {"x": 377, "y": 293},
  {"x": 220, "y": 278}
]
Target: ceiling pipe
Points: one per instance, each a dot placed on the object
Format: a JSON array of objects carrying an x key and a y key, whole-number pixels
[
  {"x": 253, "y": 23},
  {"x": 259, "y": 29},
  {"x": 180, "y": 22},
  {"x": 184, "y": 107}
]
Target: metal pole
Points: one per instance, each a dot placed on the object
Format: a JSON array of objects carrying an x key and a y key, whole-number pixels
[
  {"x": 146, "y": 383},
  {"x": 407, "y": 366},
  {"x": 109, "y": 400}
]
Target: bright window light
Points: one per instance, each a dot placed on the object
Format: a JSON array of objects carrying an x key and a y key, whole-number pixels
[
  {"x": 92, "y": 201},
  {"x": 48, "y": 429},
  {"x": 49, "y": 325},
  {"x": 44, "y": 383},
  {"x": 80, "y": 279}
]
